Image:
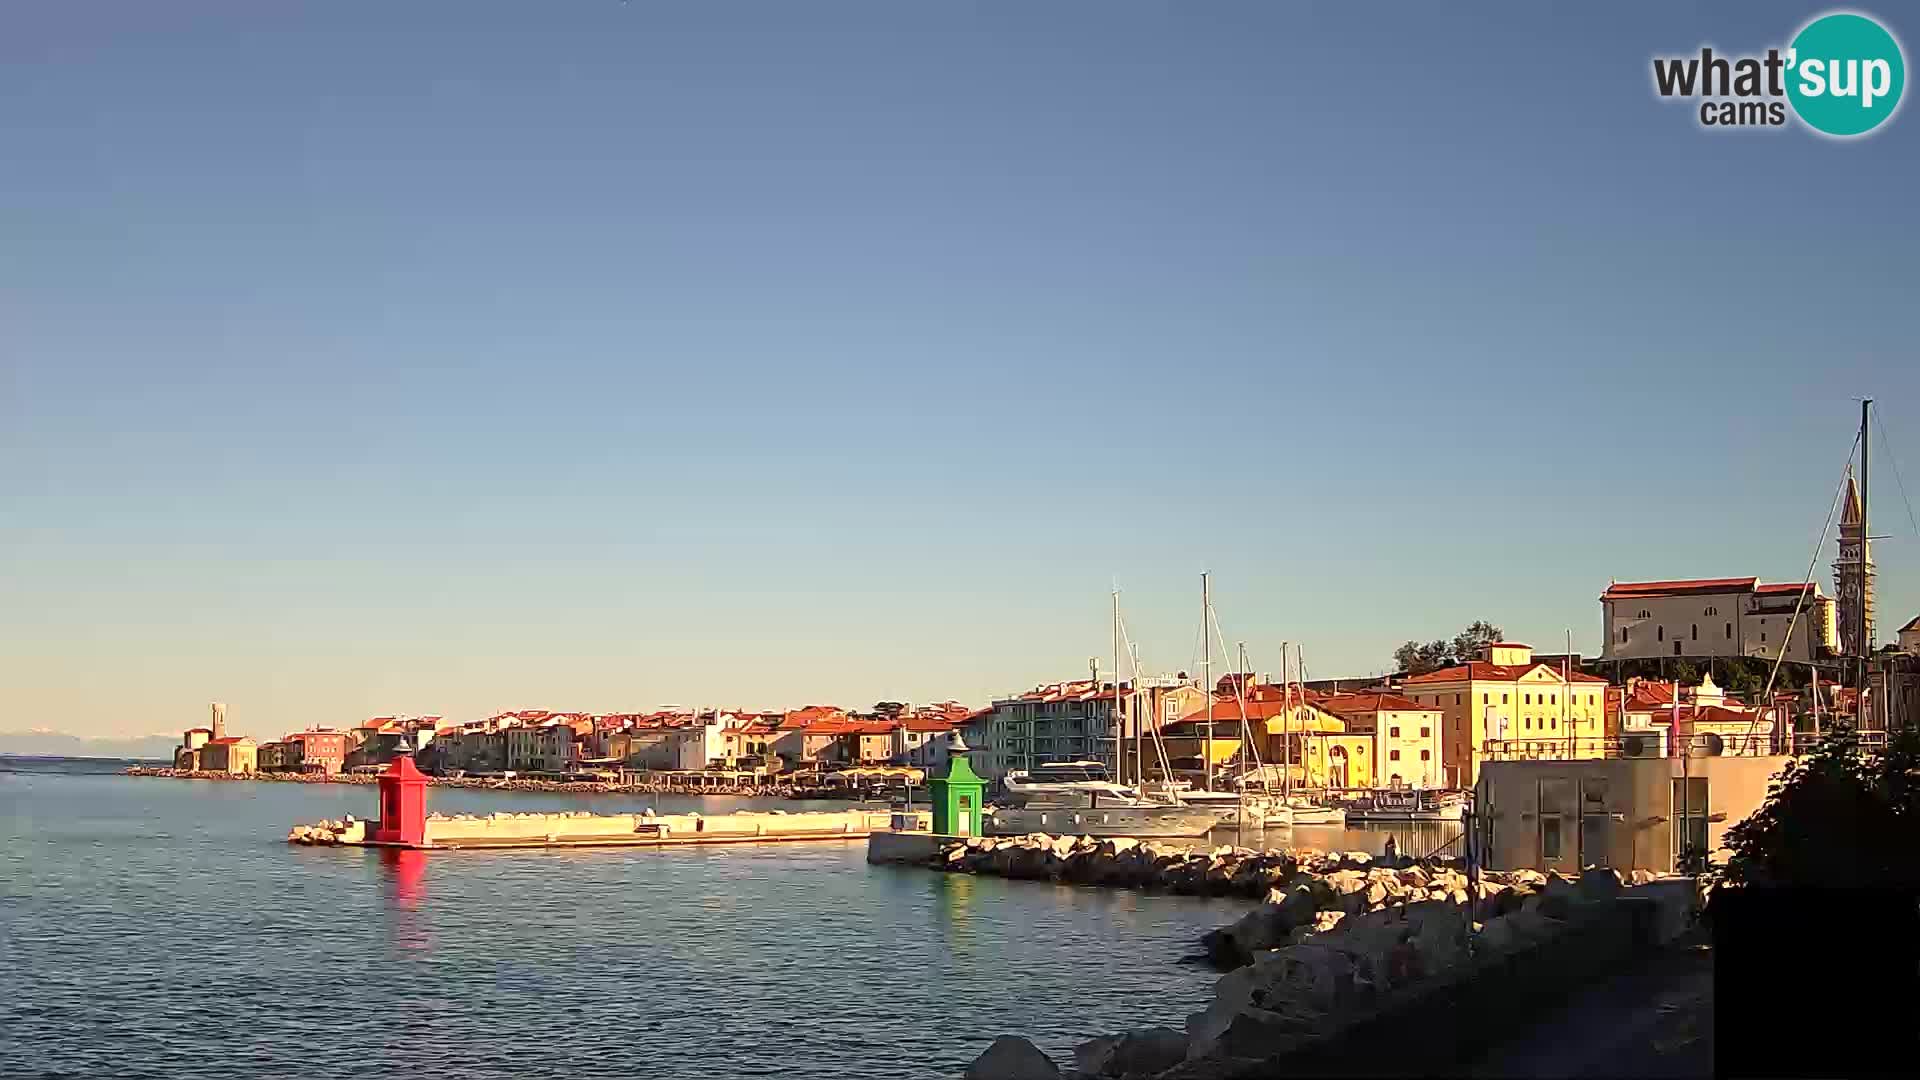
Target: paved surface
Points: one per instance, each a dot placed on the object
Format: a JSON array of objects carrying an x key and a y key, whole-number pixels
[{"x": 1652, "y": 1022}]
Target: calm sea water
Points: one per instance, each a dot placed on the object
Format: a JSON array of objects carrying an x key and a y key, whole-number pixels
[{"x": 155, "y": 927}]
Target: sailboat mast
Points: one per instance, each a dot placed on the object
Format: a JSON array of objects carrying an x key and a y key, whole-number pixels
[
  {"x": 1866, "y": 560},
  {"x": 1206, "y": 671},
  {"x": 1286, "y": 725},
  {"x": 1119, "y": 728}
]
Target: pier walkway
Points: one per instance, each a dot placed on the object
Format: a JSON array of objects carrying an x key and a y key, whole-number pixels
[{"x": 1654, "y": 1021}]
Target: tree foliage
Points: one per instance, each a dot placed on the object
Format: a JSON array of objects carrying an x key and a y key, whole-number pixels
[
  {"x": 1840, "y": 816},
  {"x": 1416, "y": 658}
]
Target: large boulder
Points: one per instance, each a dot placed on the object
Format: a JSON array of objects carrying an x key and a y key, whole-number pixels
[
  {"x": 1597, "y": 886},
  {"x": 1012, "y": 1058},
  {"x": 1142, "y": 1052},
  {"x": 1510, "y": 933}
]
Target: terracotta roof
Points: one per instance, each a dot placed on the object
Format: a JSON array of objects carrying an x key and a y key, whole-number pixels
[
  {"x": 1623, "y": 589},
  {"x": 1371, "y": 702},
  {"x": 1787, "y": 587},
  {"x": 209, "y": 730},
  {"x": 922, "y": 724},
  {"x": 229, "y": 740},
  {"x": 1485, "y": 672}
]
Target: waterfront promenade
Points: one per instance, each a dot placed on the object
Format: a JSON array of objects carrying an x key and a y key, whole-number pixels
[{"x": 674, "y": 786}]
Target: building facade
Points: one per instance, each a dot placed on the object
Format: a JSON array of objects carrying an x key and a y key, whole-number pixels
[
  {"x": 1708, "y": 617},
  {"x": 322, "y": 752},
  {"x": 235, "y": 755},
  {"x": 1508, "y": 697},
  {"x": 1406, "y": 736},
  {"x": 1626, "y": 813},
  {"x": 1075, "y": 721}
]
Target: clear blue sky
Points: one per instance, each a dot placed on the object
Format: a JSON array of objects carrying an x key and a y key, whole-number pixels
[{"x": 445, "y": 357}]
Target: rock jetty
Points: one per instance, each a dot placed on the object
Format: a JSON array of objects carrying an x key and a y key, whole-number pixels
[{"x": 1337, "y": 937}]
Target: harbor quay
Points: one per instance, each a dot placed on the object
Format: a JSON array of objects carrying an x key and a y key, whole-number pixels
[{"x": 403, "y": 822}]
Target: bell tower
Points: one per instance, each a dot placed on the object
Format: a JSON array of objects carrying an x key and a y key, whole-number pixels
[{"x": 1853, "y": 576}]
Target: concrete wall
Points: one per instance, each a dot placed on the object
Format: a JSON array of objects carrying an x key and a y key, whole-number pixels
[
  {"x": 1617, "y": 812},
  {"x": 585, "y": 826}
]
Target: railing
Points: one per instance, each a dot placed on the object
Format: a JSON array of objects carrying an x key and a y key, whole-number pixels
[{"x": 1651, "y": 744}]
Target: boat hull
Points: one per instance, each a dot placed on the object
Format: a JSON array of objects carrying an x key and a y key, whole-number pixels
[{"x": 1128, "y": 821}]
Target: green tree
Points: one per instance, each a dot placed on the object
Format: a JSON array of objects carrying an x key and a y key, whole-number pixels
[
  {"x": 1840, "y": 816},
  {"x": 1415, "y": 658}
]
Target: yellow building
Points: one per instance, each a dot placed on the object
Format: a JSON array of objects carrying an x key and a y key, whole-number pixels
[
  {"x": 234, "y": 755},
  {"x": 1511, "y": 699},
  {"x": 1406, "y": 736}
]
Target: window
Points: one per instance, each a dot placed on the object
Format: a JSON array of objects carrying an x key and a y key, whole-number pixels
[
  {"x": 1696, "y": 631},
  {"x": 1503, "y": 699},
  {"x": 1549, "y": 838},
  {"x": 1527, "y": 722},
  {"x": 1555, "y": 699},
  {"x": 1763, "y": 635},
  {"x": 1393, "y": 755},
  {"x": 1644, "y": 614},
  {"x": 1554, "y": 723},
  {"x": 1713, "y": 611},
  {"x": 1426, "y": 755},
  {"x": 1623, "y": 635},
  {"x": 1394, "y": 732},
  {"x": 1660, "y": 633},
  {"x": 1426, "y": 733},
  {"x": 1729, "y": 631},
  {"x": 1484, "y": 697}
]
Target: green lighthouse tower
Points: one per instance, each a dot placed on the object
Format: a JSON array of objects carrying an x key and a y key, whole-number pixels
[{"x": 957, "y": 793}]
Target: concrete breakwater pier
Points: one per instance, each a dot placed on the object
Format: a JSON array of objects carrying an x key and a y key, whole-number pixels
[
  {"x": 583, "y": 829},
  {"x": 405, "y": 823}
]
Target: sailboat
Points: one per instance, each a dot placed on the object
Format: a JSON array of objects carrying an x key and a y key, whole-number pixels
[
  {"x": 1302, "y": 809},
  {"x": 1101, "y": 808}
]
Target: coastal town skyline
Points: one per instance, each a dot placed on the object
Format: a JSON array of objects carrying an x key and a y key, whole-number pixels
[{"x": 853, "y": 354}]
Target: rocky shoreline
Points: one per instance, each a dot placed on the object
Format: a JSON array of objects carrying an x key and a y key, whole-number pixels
[
  {"x": 1338, "y": 937},
  {"x": 571, "y": 787}
]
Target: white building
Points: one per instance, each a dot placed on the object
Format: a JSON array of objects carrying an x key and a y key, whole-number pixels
[
  {"x": 1910, "y": 636},
  {"x": 1716, "y": 617}
]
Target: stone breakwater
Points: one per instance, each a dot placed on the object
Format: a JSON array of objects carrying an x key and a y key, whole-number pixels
[
  {"x": 1338, "y": 937},
  {"x": 572, "y": 787}
]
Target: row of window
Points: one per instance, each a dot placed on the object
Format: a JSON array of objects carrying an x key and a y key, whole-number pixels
[
  {"x": 1645, "y": 614},
  {"x": 1487, "y": 699},
  {"x": 1394, "y": 755},
  {"x": 1660, "y": 632},
  {"x": 1425, "y": 732}
]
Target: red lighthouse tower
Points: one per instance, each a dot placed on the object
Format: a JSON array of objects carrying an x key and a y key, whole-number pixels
[{"x": 403, "y": 806}]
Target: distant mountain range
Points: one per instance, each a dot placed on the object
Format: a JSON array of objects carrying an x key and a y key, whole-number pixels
[{"x": 61, "y": 744}]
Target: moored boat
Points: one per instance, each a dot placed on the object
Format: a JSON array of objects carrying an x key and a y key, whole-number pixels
[
  {"x": 1407, "y": 805},
  {"x": 1099, "y": 817},
  {"x": 1062, "y": 779}
]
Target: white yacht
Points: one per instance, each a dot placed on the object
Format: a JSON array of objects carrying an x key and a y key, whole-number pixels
[
  {"x": 1093, "y": 814},
  {"x": 1063, "y": 779}
]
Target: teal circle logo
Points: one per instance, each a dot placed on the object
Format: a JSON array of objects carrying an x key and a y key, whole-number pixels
[{"x": 1845, "y": 74}]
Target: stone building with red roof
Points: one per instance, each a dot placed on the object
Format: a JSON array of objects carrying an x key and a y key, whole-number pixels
[{"x": 1712, "y": 617}]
